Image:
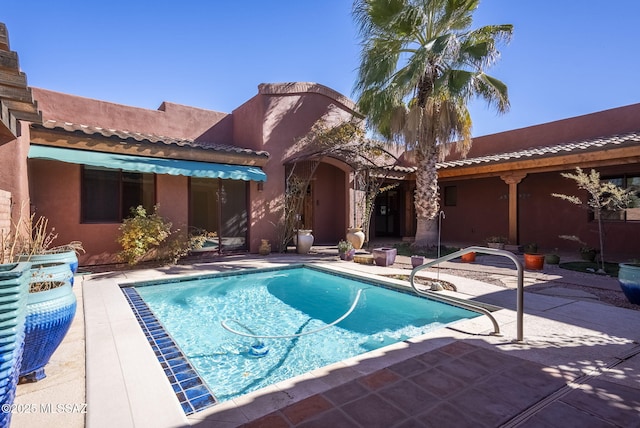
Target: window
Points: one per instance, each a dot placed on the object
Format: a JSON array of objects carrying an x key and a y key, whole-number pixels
[
  {"x": 632, "y": 213},
  {"x": 450, "y": 196},
  {"x": 109, "y": 194}
]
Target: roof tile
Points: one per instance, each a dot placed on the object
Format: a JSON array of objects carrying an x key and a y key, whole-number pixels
[
  {"x": 150, "y": 138},
  {"x": 630, "y": 138}
]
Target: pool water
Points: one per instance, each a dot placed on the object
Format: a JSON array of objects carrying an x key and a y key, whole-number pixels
[{"x": 286, "y": 302}]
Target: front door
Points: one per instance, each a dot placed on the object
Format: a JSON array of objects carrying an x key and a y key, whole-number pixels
[{"x": 387, "y": 214}]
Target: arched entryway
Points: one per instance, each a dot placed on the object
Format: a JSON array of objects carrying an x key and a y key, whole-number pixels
[{"x": 322, "y": 204}]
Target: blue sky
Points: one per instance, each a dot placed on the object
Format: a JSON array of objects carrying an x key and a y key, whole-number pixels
[{"x": 566, "y": 58}]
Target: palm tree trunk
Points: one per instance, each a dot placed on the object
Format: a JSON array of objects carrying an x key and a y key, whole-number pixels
[{"x": 426, "y": 197}]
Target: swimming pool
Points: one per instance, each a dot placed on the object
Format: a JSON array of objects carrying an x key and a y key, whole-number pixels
[{"x": 301, "y": 303}]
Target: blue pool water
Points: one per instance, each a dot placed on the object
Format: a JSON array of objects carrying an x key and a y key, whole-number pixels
[{"x": 286, "y": 302}]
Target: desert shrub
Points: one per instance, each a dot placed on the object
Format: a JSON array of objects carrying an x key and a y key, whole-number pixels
[{"x": 140, "y": 233}]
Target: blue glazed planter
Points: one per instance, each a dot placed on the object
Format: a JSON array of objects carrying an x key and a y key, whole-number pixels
[
  {"x": 68, "y": 257},
  {"x": 629, "y": 280},
  {"x": 51, "y": 272},
  {"x": 49, "y": 316},
  {"x": 14, "y": 290}
]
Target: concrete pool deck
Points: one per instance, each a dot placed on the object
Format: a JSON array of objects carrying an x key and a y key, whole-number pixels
[{"x": 579, "y": 364}]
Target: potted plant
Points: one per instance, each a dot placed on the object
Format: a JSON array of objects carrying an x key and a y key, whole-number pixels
[
  {"x": 629, "y": 280},
  {"x": 533, "y": 261},
  {"x": 51, "y": 306},
  {"x": 346, "y": 250},
  {"x": 496, "y": 242},
  {"x": 50, "y": 301},
  {"x": 14, "y": 289},
  {"x": 552, "y": 258},
  {"x": 530, "y": 248},
  {"x": 587, "y": 252}
]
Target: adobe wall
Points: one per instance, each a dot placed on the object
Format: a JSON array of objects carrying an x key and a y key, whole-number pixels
[
  {"x": 172, "y": 198},
  {"x": 172, "y": 120},
  {"x": 273, "y": 120},
  {"x": 604, "y": 123},
  {"x": 59, "y": 201},
  {"x": 329, "y": 203},
  {"x": 13, "y": 170},
  {"x": 5, "y": 213},
  {"x": 482, "y": 211}
]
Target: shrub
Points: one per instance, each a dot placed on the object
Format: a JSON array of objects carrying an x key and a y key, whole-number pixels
[{"x": 141, "y": 233}]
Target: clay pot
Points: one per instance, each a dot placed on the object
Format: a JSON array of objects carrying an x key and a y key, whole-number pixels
[
  {"x": 533, "y": 261},
  {"x": 469, "y": 257}
]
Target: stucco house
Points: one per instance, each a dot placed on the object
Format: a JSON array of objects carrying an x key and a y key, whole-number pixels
[
  {"x": 83, "y": 163},
  {"x": 504, "y": 185}
]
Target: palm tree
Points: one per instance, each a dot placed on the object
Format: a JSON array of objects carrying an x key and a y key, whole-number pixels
[{"x": 421, "y": 64}]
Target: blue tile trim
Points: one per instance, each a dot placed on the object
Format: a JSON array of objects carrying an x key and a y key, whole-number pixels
[
  {"x": 240, "y": 272},
  {"x": 191, "y": 391}
]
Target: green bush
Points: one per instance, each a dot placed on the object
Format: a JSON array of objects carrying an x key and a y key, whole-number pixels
[{"x": 141, "y": 233}]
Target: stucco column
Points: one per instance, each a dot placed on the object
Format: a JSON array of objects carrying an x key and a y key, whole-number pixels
[{"x": 512, "y": 180}]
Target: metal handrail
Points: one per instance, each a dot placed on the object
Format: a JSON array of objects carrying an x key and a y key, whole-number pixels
[{"x": 485, "y": 250}]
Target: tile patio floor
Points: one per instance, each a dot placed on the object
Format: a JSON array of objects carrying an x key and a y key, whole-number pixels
[{"x": 578, "y": 366}]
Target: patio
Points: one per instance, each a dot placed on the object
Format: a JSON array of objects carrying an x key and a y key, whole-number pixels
[{"x": 578, "y": 364}]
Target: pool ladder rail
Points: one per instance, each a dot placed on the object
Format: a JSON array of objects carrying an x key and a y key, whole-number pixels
[{"x": 470, "y": 306}]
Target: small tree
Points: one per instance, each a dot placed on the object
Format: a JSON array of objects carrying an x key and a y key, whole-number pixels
[
  {"x": 603, "y": 196},
  {"x": 345, "y": 141}
]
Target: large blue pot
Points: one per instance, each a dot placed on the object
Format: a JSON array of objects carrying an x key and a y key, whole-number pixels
[
  {"x": 629, "y": 279},
  {"x": 14, "y": 289},
  {"x": 51, "y": 272},
  {"x": 49, "y": 316},
  {"x": 69, "y": 257}
]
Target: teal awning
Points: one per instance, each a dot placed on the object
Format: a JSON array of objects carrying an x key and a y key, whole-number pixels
[{"x": 148, "y": 164}]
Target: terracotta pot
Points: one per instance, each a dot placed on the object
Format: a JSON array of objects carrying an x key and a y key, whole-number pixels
[
  {"x": 469, "y": 257},
  {"x": 533, "y": 261},
  {"x": 355, "y": 235}
]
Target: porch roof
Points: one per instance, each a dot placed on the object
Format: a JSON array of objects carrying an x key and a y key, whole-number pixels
[
  {"x": 590, "y": 145},
  {"x": 148, "y": 164},
  {"x": 129, "y": 136}
]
